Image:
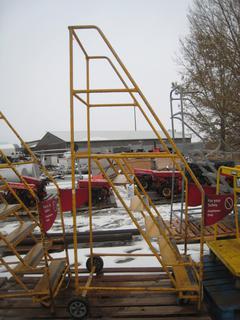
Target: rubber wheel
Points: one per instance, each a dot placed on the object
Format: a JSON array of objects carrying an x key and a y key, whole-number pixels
[
  {"x": 97, "y": 262},
  {"x": 146, "y": 183},
  {"x": 78, "y": 308},
  {"x": 166, "y": 192}
]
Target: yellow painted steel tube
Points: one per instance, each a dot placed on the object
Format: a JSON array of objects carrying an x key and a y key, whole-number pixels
[
  {"x": 74, "y": 209},
  {"x": 90, "y": 278},
  {"x": 106, "y": 105},
  {"x": 140, "y": 289},
  {"x": 80, "y": 99},
  {"x": 89, "y": 162},
  {"x": 137, "y": 155},
  {"x": 109, "y": 90},
  {"x": 79, "y": 42},
  {"x": 235, "y": 206}
]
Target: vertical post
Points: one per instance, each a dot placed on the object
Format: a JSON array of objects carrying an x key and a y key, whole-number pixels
[
  {"x": 182, "y": 115},
  {"x": 201, "y": 251},
  {"x": 186, "y": 217},
  {"x": 217, "y": 192},
  {"x": 74, "y": 209},
  {"x": 173, "y": 137},
  {"x": 235, "y": 206},
  {"x": 135, "y": 118},
  {"x": 182, "y": 199},
  {"x": 171, "y": 109},
  {"x": 89, "y": 162}
]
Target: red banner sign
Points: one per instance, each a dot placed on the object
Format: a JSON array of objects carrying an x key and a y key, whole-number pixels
[
  {"x": 217, "y": 207},
  {"x": 48, "y": 213},
  {"x": 194, "y": 195}
]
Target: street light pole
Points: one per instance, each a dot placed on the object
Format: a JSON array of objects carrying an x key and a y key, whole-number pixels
[{"x": 135, "y": 118}]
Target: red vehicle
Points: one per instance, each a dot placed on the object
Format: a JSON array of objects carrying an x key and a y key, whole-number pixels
[
  {"x": 160, "y": 181},
  {"x": 37, "y": 185},
  {"x": 101, "y": 193}
]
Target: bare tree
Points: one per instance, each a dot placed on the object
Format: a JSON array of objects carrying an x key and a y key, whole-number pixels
[{"x": 210, "y": 65}]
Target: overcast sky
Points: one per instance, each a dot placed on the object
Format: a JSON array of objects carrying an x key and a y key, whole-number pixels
[{"x": 34, "y": 59}]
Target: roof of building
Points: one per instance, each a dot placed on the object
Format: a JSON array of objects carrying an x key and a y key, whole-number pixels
[{"x": 113, "y": 135}]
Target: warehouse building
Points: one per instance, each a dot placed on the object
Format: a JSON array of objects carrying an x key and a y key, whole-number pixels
[
  {"x": 54, "y": 147},
  {"x": 58, "y": 142}
]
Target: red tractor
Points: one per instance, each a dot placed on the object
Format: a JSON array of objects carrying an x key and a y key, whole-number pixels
[
  {"x": 101, "y": 194},
  {"x": 160, "y": 181},
  {"x": 37, "y": 185}
]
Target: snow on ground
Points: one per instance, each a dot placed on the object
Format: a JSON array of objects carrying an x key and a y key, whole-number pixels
[{"x": 110, "y": 219}]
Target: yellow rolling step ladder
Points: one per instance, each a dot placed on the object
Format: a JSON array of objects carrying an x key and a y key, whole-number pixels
[
  {"x": 185, "y": 275},
  {"x": 49, "y": 272}
]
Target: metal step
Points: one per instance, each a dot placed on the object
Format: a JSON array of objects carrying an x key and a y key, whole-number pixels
[
  {"x": 7, "y": 210},
  {"x": 56, "y": 269},
  {"x": 32, "y": 258},
  {"x": 17, "y": 235},
  {"x": 180, "y": 271}
]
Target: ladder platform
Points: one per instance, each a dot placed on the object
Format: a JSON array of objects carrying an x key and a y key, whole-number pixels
[
  {"x": 228, "y": 252},
  {"x": 17, "y": 235},
  {"x": 181, "y": 274},
  {"x": 33, "y": 257},
  {"x": 56, "y": 269},
  {"x": 6, "y": 210}
]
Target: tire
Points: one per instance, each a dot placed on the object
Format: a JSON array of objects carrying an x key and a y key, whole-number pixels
[
  {"x": 166, "y": 192},
  {"x": 78, "y": 308},
  {"x": 146, "y": 183},
  {"x": 97, "y": 262}
]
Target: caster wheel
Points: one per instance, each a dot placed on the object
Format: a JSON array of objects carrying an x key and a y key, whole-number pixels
[
  {"x": 78, "y": 308},
  {"x": 97, "y": 262}
]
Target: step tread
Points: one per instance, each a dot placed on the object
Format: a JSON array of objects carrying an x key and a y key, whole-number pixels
[
  {"x": 18, "y": 234},
  {"x": 55, "y": 270},
  {"x": 33, "y": 257},
  {"x": 6, "y": 210},
  {"x": 180, "y": 272}
]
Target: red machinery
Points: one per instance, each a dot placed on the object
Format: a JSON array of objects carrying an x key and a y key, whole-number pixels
[
  {"x": 160, "y": 181},
  {"x": 38, "y": 186},
  {"x": 101, "y": 192}
]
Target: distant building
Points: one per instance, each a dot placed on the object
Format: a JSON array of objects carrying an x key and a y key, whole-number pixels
[
  {"x": 58, "y": 142},
  {"x": 54, "y": 146}
]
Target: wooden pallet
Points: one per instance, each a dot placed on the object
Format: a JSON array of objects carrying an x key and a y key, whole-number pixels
[
  {"x": 111, "y": 305},
  {"x": 226, "y": 228},
  {"x": 221, "y": 295}
]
